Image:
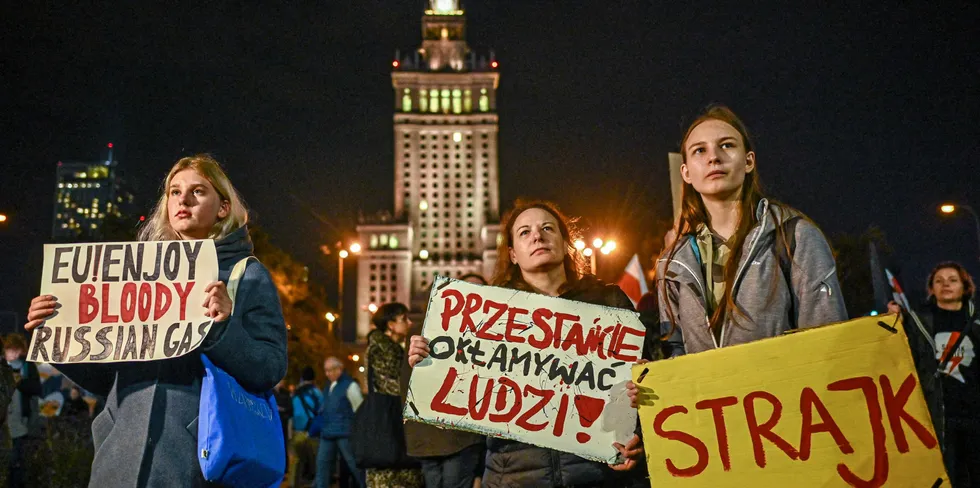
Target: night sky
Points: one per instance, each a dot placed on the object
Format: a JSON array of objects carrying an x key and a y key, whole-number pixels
[{"x": 861, "y": 116}]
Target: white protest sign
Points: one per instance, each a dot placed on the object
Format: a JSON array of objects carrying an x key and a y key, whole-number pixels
[
  {"x": 124, "y": 301},
  {"x": 537, "y": 369}
]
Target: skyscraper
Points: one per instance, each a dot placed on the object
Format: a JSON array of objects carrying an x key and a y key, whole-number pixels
[
  {"x": 447, "y": 201},
  {"x": 87, "y": 194}
]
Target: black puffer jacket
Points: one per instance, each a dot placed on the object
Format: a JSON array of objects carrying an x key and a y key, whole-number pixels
[{"x": 512, "y": 464}]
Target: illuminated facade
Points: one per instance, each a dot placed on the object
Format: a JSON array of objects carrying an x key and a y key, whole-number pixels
[
  {"x": 447, "y": 203},
  {"x": 86, "y": 194}
]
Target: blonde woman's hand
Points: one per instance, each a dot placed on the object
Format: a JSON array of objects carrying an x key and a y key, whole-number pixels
[
  {"x": 217, "y": 302},
  {"x": 418, "y": 349},
  {"x": 632, "y": 454},
  {"x": 42, "y": 308}
]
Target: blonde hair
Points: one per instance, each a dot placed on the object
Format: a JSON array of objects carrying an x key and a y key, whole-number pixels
[{"x": 157, "y": 227}]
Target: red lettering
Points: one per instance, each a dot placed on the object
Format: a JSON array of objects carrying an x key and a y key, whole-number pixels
[
  {"x": 721, "y": 432},
  {"x": 182, "y": 294},
  {"x": 128, "y": 309},
  {"x": 107, "y": 318},
  {"x": 513, "y": 326},
  {"x": 621, "y": 346},
  {"x": 162, "y": 301},
  {"x": 473, "y": 302},
  {"x": 808, "y": 401},
  {"x": 484, "y": 332},
  {"x": 145, "y": 301},
  {"x": 540, "y": 317},
  {"x": 895, "y": 407},
  {"x": 448, "y": 312},
  {"x": 560, "y": 418},
  {"x": 613, "y": 338},
  {"x": 505, "y": 384},
  {"x": 439, "y": 403},
  {"x": 680, "y": 436},
  {"x": 524, "y": 420},
  {"x": 575, "y": 338},
  {"x": 88, "y": 305},
  {"x": 870, "y": 390},
  {"x": 758, "y": 431},
  {"x": 560, "y": 319},
  {"x": 475, "y": 405}
]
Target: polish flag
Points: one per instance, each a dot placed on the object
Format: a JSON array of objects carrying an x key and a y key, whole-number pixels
[{"x": 633, "y": 282}]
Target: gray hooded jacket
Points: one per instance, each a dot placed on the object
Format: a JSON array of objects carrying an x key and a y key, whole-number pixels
[{"x": 773, "y": 298}]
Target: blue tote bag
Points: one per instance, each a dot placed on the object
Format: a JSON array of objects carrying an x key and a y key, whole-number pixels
[{"x": 239, "y": 435}]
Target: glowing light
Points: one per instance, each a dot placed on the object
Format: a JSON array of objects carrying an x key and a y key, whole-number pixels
[
  {"x": 597, "y": 243},
  {"x": 457, "y": 137},
  {"x": 611, "y": 245},
  {"x": 355, "y": 358},
  {"x": 3, "y": 218},
  {"x": 580, "y": 244},
  {"x": 142, "y": 218},
  {"x": 587, "y": 252},
  {"x": 355, "y": 247},
  {"x": 344, "y": 254},
  {"x": 395, "y": 64},
  {"x": 110, "y": 145},
  {"x": 361, "y": 369},
  {"x": 330, "y": 317},
  {"x": 605, "y": 250},
  {"x": 494, "y": 64},
  {"x": 947, "y": 208},
  {"x": 874, "y": 313},
  {"x": 423, "y": 205},
  {"x": 372, "y": 308},
  {"x": 423, "y": 254}
]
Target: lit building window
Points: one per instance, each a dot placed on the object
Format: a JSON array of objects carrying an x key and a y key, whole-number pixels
[
  {"x": 407, "y": 101},
  {"x": 423, "y": 254},
  {"x": 445, "y": 101},
  {"x": 484, "y": 100},
  {"x": 457, "y": 101},
  {"x": 467, "y": 101},
  {"x": 423, "y": 205},
  {"x": 433, "y": 101},
  {"x": 393, "y": 243},
  {"x": 457, "y": 137},
  {"x": 423, "y": 100},
  {"x": 383, "y": 241},
  {"x": 374, "y": 241}
]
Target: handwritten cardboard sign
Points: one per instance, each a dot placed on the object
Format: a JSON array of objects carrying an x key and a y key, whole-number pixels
[
  {"x": 839, "y": 405},
  {"x": 125, "y": 301},
  {"x": 537, "y": 369}
]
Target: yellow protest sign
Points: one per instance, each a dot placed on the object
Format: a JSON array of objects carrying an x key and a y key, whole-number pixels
[{"x": 838, "y": 405}]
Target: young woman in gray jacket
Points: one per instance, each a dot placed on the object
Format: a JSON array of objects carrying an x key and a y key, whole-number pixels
[{"x": 743, "y": 268}]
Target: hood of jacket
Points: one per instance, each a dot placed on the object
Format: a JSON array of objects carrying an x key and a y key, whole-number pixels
[{"x": 233, "y": 247}]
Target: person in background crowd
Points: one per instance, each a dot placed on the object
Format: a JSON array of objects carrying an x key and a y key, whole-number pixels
[
  {"x": 306, "y": 404},
  {"x": 147, "y": 433},
  {"x": 450, "y": 458},
  {"x": 536, "y": 255},
  {"x": 342, "y": 396},
  {"x": 943, "y": 343},
  {"x": 75, "y": 405},
  {"x": 23, "y": 412},
  {"x": 385, "y": 356},
  {"x": 285, "y": 406}
]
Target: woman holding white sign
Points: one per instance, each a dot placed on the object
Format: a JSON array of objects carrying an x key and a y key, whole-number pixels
[
  {"x": 147, "y": 433},
  {"x": 743, "y": 267},
  {"x": 536, "y": 255}
]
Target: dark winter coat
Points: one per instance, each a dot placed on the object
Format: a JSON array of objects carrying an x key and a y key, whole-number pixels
[
  {"x": 147, "y": 434},
  {"x": 515, "y": 464}
]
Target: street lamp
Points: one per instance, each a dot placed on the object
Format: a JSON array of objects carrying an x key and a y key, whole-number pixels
[
  {"x": 355, "y": 248},
  {"x": 372, "y": 308},
  {"x": 950, "y": 208},
  {"x": 598, "y": 246},
  {"x": 3, "y": 218}
]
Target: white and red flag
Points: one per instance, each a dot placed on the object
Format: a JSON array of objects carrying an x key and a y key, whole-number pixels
[{"x": 633, "y": 282}]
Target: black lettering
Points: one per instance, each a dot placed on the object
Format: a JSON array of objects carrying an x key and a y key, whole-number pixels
[
  {"x": 516, "y": 358},
  {"x": 192, "y": 257},
  {"x": 80, "y": 275},
  {"x": 120, "y": 332},
  {"x": 149, "y": 341},
  {"x": 156, "y": 265},
  {"x": 460, "y": 347},
  {"x": 436, "y": 353},
  {"x": 169, "y": 345},
  {"x": 587, "y": 375},
  {"x": 110, "y": 261},
  {"x": 86, "y": 345},
  {"x": 171, "y": 264},
  {"x": 59, "y": 354},
  {"x": 133, "y": 266},
  {"x": 130, "y": 349},
  {"x": 567, "y": 374},
  {"x": 476, "y": 352},
  {"x": 540, "y": 363},
  {"x": 100, "y": 336},
  {"x": 58, "y": 264},
  {"x": 185, "y": 344},
  {"x": 603, "y": 373},
  {"x": 499, "y": 356},
  {"x": 44, "y": 333}
]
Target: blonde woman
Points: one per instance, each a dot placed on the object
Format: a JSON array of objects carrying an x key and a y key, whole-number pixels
[{"x": 147, "y": 433}]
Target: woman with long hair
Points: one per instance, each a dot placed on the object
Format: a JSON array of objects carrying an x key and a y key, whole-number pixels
[
  {"x": 536, "y": 254},
  {"x": 147, "y": 433},
  {"x": 743, "y": 267}
]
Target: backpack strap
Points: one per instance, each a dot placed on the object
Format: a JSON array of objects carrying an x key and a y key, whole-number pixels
[{"x": 235, "y": 277}]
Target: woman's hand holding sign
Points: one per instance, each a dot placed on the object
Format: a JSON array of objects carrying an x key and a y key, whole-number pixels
[
  {"x": 418, "y": 349},
  {"x": 42, "y": 308},
  {"x": 218, "y": 302}
]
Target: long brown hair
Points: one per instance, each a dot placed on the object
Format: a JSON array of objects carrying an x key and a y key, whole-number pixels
[
  {"x": 508, "y": 274},
  {"x": 694, "y": 214}
]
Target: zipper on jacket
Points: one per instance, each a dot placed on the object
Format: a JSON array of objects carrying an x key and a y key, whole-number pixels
[
  {"x": 704, "y": 306},
  {"x": 741, "y": 271}
]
